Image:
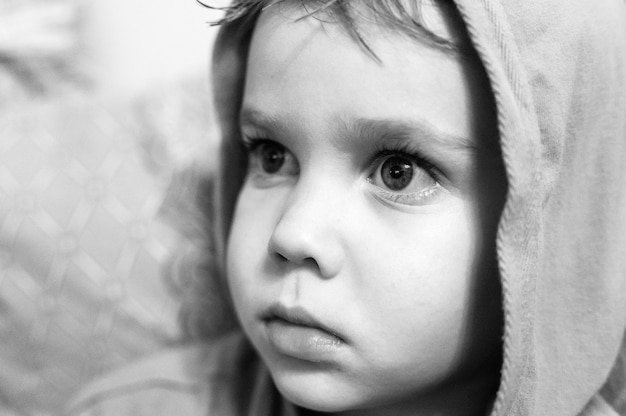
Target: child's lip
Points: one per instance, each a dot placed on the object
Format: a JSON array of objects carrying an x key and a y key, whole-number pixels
[
  {"x": 295, "y": 332},
  {"x": 298, "y": 315},
  {"x": 303, "y": 342}
]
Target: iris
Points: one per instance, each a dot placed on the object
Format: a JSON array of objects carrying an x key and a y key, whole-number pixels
[
  {"x": 396, "y": 172},
  {"x": 272, "y": 157}
]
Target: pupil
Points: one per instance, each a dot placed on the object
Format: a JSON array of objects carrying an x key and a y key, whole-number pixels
[
  {"x": 272, "y": 158},
  {"x": 397, "y": 173}
]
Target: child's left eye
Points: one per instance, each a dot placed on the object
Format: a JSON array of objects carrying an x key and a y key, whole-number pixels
[{"x": 402, "y": 179}]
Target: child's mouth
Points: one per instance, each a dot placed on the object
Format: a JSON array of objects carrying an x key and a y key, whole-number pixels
[{"x": 295, "y": 333}]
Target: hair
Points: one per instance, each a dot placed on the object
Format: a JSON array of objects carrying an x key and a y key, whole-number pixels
[
  {"x": 402, "y": 16},
  {"x": 207, "y": 310}
]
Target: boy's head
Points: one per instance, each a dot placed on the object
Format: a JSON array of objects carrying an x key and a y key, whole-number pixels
[{"x": 360, "y": 257}]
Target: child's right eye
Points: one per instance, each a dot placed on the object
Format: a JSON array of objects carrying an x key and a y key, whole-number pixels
[{"x": 270, "y": 158}]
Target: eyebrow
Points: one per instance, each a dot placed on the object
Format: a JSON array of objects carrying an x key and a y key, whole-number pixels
[
  {"x": 401, "y": 129},
  {"x": 260, "y": 119},
  {"x": 372, "y": 129}
]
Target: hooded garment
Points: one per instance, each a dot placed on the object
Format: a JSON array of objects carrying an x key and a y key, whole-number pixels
[{"x": 557, "y": 70}]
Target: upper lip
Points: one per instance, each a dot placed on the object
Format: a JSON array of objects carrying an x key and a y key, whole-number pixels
[{"x": 297, "y": 315}]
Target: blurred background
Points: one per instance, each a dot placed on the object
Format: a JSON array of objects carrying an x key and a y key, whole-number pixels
[{"x": 101, "y": 104}]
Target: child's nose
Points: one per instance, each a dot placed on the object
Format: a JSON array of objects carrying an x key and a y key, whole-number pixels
[{"x": 308, "y": 233}]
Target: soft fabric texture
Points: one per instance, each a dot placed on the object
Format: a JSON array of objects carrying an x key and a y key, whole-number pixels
[
  {"x": 225, "y": 378},
  {"x": 84, "y": 239},
  {"x": 558, "y": 73},
  {"x": 90, "y": 132},
  {"x": 82, "y": 251}
]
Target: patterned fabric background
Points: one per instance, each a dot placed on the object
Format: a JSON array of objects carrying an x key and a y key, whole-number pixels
[{"x": 85, "y": 161}]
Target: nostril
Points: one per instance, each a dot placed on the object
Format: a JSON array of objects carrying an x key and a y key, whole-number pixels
[
  {"x": 293, "y": 255},
  {"x": 279, "y": 257},
  {"x": 290, "y": 256}
]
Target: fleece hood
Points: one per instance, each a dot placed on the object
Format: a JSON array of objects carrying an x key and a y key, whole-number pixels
[
  {"x": 557, "y": 69},
  {"x": 558, "y": 72}
]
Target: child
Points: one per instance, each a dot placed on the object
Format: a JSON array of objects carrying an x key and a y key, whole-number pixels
[{"x": 419, "y": 212}]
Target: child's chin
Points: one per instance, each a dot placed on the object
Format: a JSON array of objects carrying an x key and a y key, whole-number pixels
[
  {"x": 312, "y": 400},
  {"x": 317, "y": 395}
]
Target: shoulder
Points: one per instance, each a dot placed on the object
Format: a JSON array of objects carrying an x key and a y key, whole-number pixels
[{"x": 176, "y": 381}]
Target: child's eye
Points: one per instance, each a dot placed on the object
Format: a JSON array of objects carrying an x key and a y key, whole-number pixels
[
  {"x": 270, "y": 158},
  {"x": 402, "y": 179}
]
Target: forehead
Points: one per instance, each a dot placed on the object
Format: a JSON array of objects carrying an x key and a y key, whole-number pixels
[
  {"x": 436, "y": 22},
  {"x": 302, "y": 68}
]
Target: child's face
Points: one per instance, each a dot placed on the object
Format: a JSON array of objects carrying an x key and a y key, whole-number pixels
[{"x": 359, "y": 259}]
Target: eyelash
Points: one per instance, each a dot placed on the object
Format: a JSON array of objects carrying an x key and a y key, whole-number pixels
[
  {"x": 250, "y": 144},
  {"x": 384, "y": 151}
]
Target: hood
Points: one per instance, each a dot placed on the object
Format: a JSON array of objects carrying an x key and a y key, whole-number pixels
[{"x": 558, "y": 73}]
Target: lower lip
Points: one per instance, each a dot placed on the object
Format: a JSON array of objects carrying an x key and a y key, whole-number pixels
[{"x": 302, "y": 342}]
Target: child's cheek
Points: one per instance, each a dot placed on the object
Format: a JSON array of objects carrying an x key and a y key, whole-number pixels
[
  {"x": 422, "y": 266},
  {"x": 255, "y": 216}
]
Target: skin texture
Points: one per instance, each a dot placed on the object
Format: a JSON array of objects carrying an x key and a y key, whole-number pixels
[{"x": 407, "y": 283}]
